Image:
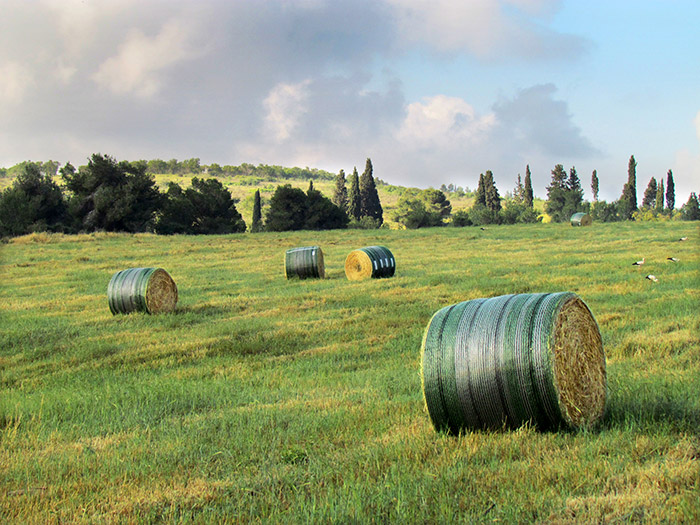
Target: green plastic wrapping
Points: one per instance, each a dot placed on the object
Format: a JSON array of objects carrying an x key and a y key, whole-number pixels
[{"x": 304, "y": 263}]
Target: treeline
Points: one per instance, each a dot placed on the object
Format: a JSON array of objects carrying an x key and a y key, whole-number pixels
[
  {"x": 194, "y": 167},
  {"x": 106, "y": 195}
]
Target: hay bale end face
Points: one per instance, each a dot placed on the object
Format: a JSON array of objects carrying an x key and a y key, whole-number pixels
[
  {"x": 581, "y": 219},
  {"x": 149, "y": 290},
  {"x": 513, "y": 359},
  {"x": 371, "y": 262},
  {"x": 304, "y": 263}
]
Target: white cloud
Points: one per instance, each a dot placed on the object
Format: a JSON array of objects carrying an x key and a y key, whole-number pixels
[
  {"x": 487, "y": 29},
  {"x": 141, "y": 61},
  {"x": 16, "y": 79},
  {"x": 449, "y": 121},
  {"x": 284, "y": 107}
]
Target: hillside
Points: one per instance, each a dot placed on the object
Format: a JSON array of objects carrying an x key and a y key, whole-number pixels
[{"x": 266, "y": 400}]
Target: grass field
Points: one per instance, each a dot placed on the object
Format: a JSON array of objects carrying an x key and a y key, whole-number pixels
[{"x": 266, "y": 400}]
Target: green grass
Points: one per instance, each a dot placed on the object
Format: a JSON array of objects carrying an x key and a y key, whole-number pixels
[{"x": 267, "y": 400}]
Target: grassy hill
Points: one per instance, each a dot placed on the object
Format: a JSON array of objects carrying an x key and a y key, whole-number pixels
[{"x": 266, "y": 400}]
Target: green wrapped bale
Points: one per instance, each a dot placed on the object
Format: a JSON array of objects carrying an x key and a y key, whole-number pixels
[
  {"x": 305, "y": 262},
  {"x": 149, "y": 290},
  {"x": 581, "y": 219},
  {"x": 373, "y": 262},
  {"x": 513, "y": 359}
]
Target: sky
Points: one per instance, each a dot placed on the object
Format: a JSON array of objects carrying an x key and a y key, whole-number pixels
[{"x": 433, "y": 91}]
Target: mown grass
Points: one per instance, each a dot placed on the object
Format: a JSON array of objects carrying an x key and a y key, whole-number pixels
[{"x": 266, "y": 400}]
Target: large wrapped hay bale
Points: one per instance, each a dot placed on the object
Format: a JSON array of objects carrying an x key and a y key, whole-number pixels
[
  {"x": 370, "y": 262},
  {"x": 149, "y": 290},
  {"x": 581, "y": 219},
  {"x": 508, "y": 360},
  {"x": 304, "y": 262}
]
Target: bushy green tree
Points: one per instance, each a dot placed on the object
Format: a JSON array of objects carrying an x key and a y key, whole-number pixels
[
  {"x": 460, "y": 219},
  {"x": 206, "y": 207},
  {"x": 691, "y": 209},
  {"x": 110, "y": 195},
  {"x": 603, "y": 211},
  {"x": 287, "y": 209},
  {"x": 370, "y": 206},
  {"x": 422, "y": 209},
  {"x": 33, "y": 202},
  {"x": 322, "y": 214},
  {"x": 257, "y": 224}
]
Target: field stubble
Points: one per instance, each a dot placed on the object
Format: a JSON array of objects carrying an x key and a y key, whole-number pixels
[{"x": 262, "y": 399}]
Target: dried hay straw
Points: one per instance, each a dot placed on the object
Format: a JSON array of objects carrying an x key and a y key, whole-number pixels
[
  {"x": 358, "y": 266},
  {"x": 579, "y": 364},
  {"x": 161, "y": 292}
]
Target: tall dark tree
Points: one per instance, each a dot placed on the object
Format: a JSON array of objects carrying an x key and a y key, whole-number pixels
[
  {"x": 574, "y": 194},
  {"x": 670, "y": 192},
  {"x": 691, "y": 209},
  {"x": 556, "y": 194},
  {"x": 112, "y": 196},
  {"x": 493, "y": 199},
  {"x": 355, "y": 199},
  {"x": 528, "y": 195},
  {"x": 628, "y": 200},
  {"x": 659, "y": 201},
  {"x": 595, "y": 185},
  {"x": 480, "y": 192},
  {"x": 649, "y": 199},
  {"x": 257, "y": 224},
  {"x": 519, "y": 190},
  {"x": 369, "y": 197},
  {"x": 311, "y": 186},
  {"x": 34, "y": 202},
  {"x": 340, "y": 193}
]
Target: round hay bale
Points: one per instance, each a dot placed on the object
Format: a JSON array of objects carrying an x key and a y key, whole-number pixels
[
  {"x": 305, "y": 262},
  {"x": 508, "y": 360},
  {"x": 581, "y": 219},
  {"x": 149, "y": 290},
  {"x": 370, "y": 262}
]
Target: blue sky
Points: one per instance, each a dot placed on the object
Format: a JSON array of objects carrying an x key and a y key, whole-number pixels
[{"x": 433, "y": 91}]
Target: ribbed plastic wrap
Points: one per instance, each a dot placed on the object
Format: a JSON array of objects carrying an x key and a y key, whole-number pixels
[
  {"x": 581, "y": 219},
  {"x": 304, "y": 263},
  {"x": 373, "y": 262},
  {"x": 505, "y": 361},
  {"x": 149, "y": 290}
]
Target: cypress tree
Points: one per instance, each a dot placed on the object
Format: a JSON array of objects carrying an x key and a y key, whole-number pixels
[
  {"x": 519, "y": 191},
  {"x": 493, "y": 199},
  {"x": 574, "y": 194},
  {"x": 340, "y": 194},
  {"x": 257, "y": 224},
  {"x": 628, "y": 200},
  {"x": 670, "y": 192},
  {"x": 650, "y": 194},
  {"x": 480, "y": 192},
  {"x": 311, "y": 186},
  {"x": 594, "y": 185},
  {"x": 659, "y": 196},
  {"x": 528, "y": 195},
  {"x": 556, "y": 194},
  {"x": 369, "y": 198},
  {"x": 355, "y": 204}
]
